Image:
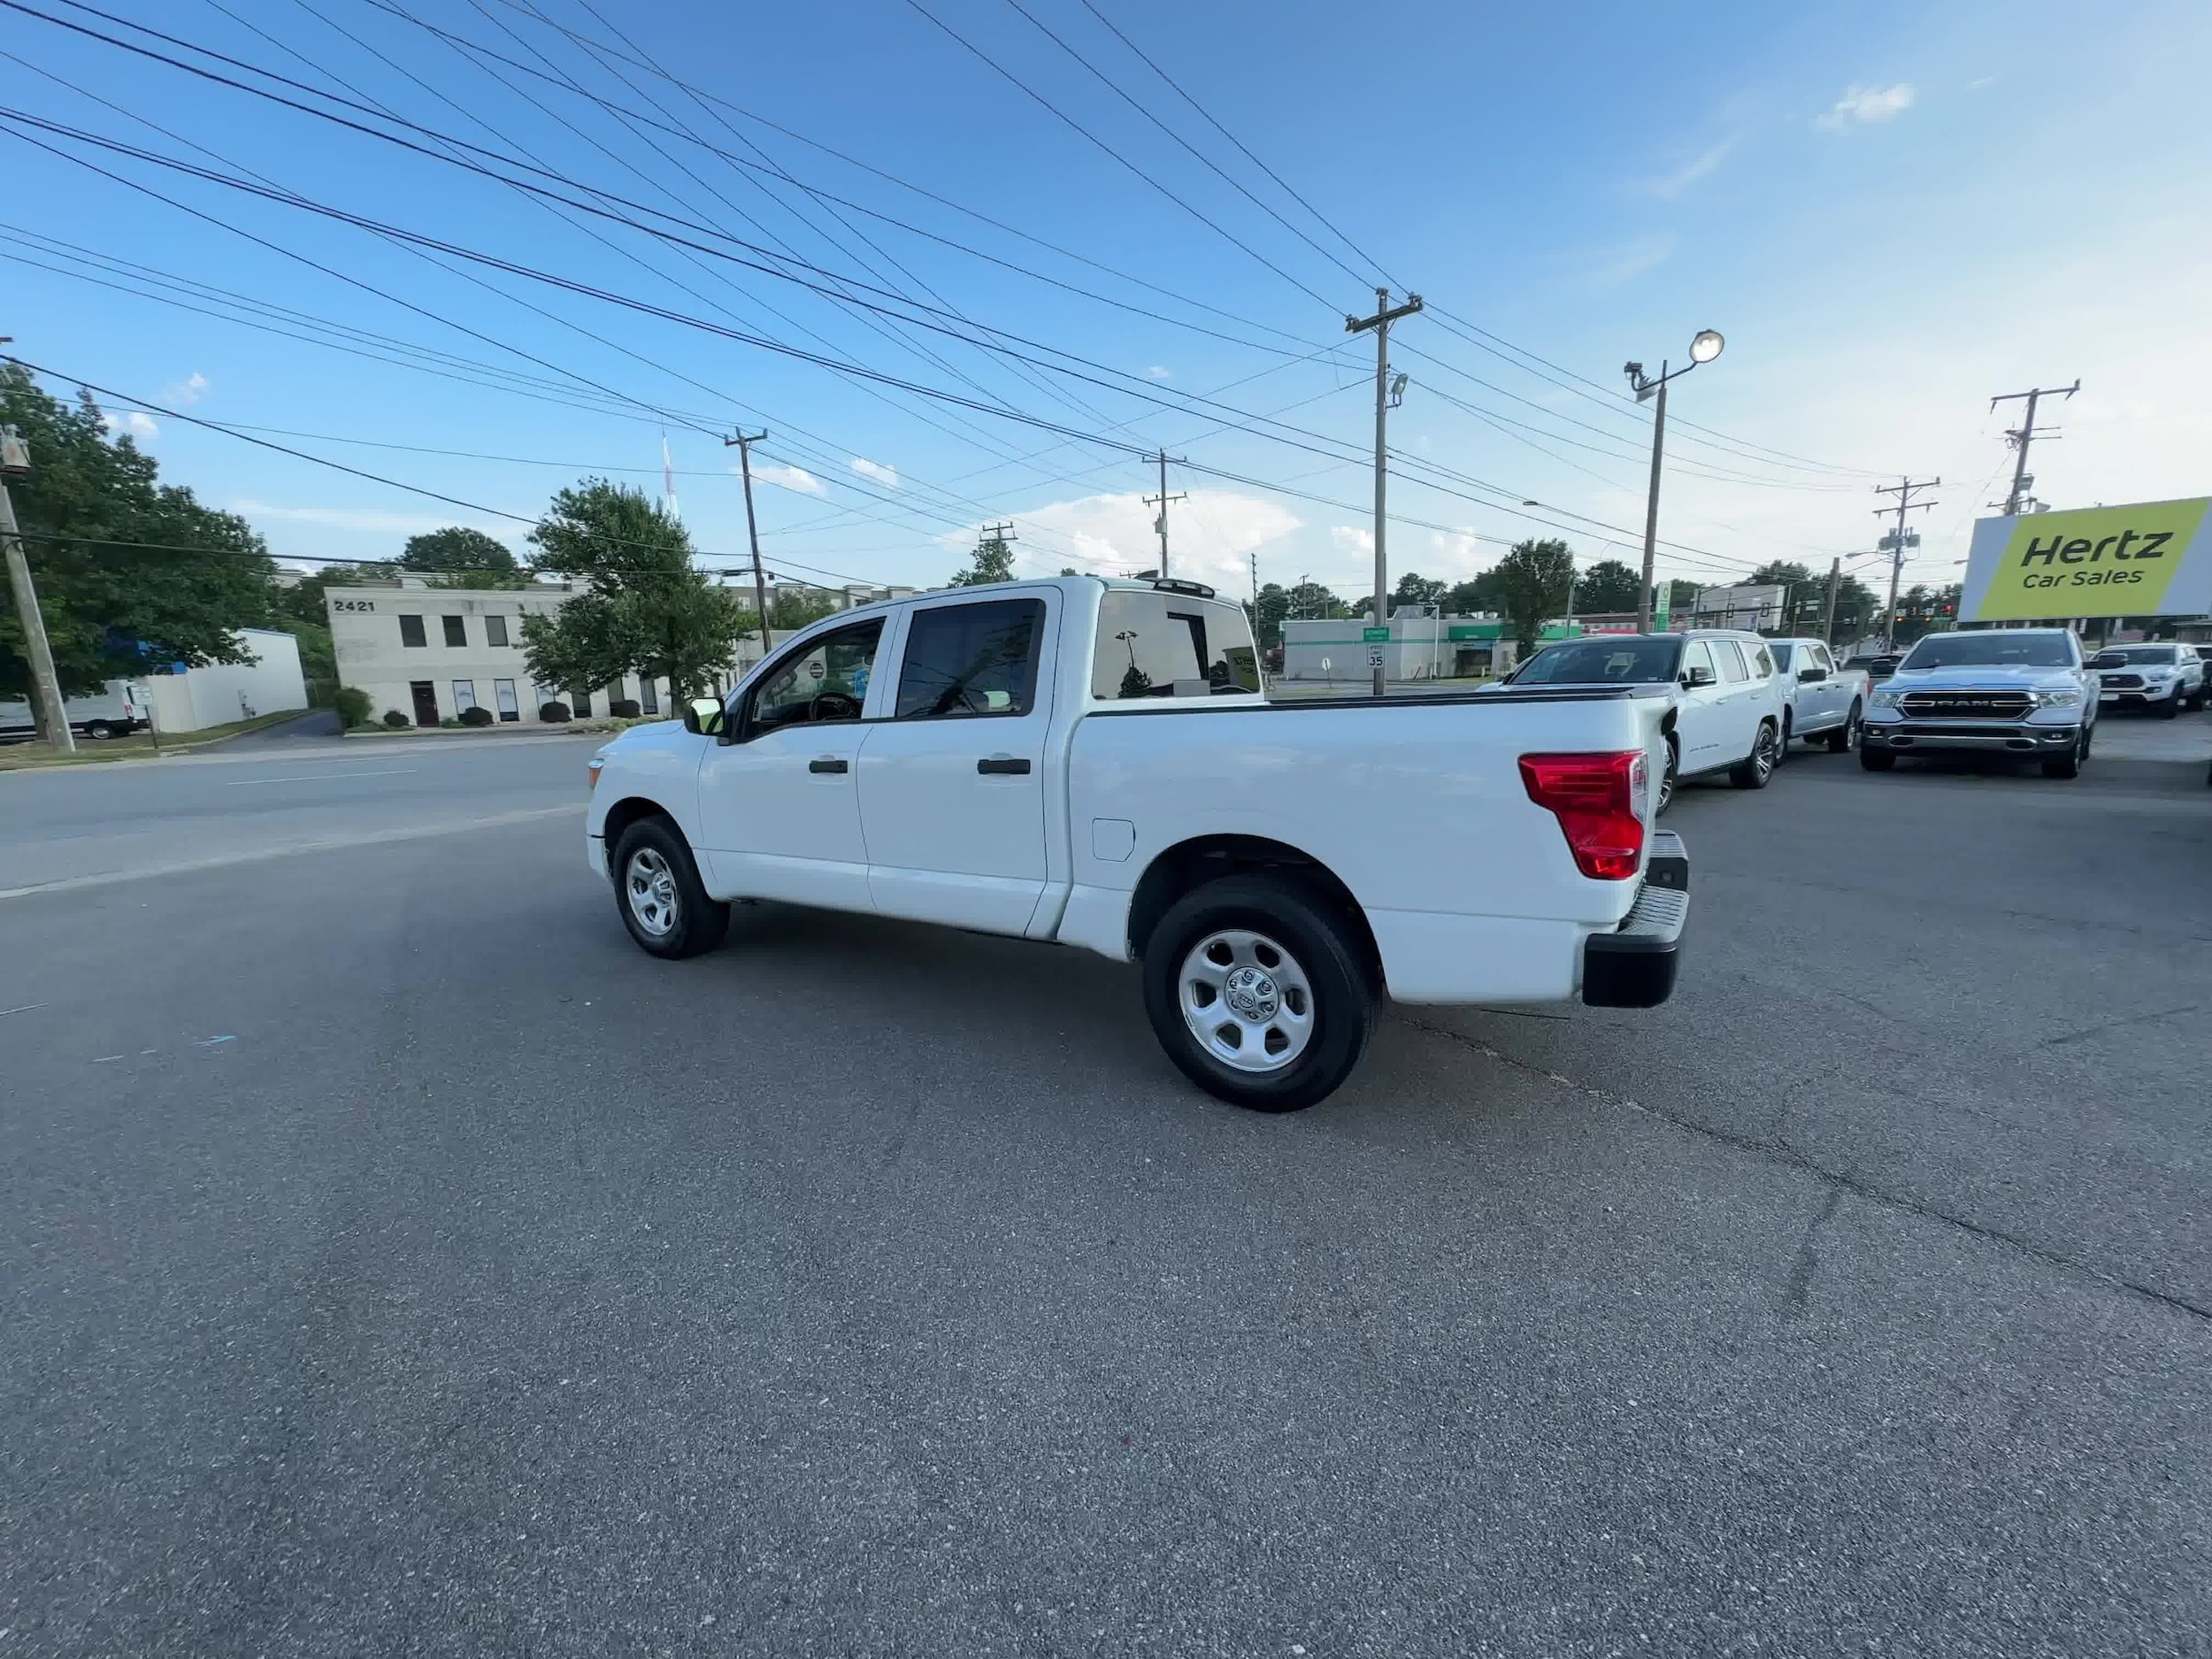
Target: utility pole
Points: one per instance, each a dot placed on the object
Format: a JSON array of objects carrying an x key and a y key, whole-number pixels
[
  {"x": 1903, "y": 490},
  {"x": 53, "y": 713},
  {"x": 1381, "y": 323},
  {"x": 1705, "y": 345},
  {"x": 745, "y": 442},
  {"x": 2023, "y": 435},
  {"x": 1828, "y": 623},
  {"x": 1161, "y": 500}
]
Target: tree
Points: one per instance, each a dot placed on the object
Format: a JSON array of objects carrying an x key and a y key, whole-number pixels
[
  {"x": 1309, "y": 600},
  {"x": 1922, "y": 609},
  {"x": 994, "y": 562},
  {"x": 1682, "y": 598},
  {"x": 458, "y": 557},
  {"x": 645, "y": 609},
  {"x": 1476, "y": 598},
  {"x": 1268, "y": 612},
  {"x": 303, "y": 602},
  {"x": 1608, "y": 586},
  {"x": 1415, "y": 589},
  {"x": 133, "y": 575},
  {"x": 1534, "y": 577}
]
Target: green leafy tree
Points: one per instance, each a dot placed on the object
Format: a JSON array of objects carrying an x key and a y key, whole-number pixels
[
  {"x": 1533, "y": 578},
  {"x": 1608, "y": 586},
  {"x": 113, "y": 609},
  {"x": 1476, "y": 597},
  {"x": 1924, "y": 610},
  {"x": 1414, "y": 589},
  {"x": 1309, "y": 600},
  {"x": 645, "y": 609},
  {"x": 458, "y": 557},
  {"x": 303, "y": 600},
  {"x": 994, "y": 562},
  {"x": 1268, "y": 612}
]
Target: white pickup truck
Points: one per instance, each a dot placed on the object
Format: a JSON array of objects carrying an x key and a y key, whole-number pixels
[
  {"x": 1825, "y": 703},
  {"x": 1092, "y": 762}
]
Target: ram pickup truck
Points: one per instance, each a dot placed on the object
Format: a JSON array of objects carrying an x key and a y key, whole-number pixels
[
  {"x": 1093, "y": 764},
  {"x": 2011, "y": 691},
  {"x": 1726, "y": 708},
  {"x": 1825, "y": 703}
]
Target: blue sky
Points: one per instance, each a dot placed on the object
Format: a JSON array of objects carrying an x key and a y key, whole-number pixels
[{"x": 1892, "y": 211}]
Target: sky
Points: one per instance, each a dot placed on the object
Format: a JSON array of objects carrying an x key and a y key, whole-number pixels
[{"x": 974, "y": 264}]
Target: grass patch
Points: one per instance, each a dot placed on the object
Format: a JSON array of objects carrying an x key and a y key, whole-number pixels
[{"x": 137, "y": 746}]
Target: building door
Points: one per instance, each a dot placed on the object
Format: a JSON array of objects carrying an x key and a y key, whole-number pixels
[
  {"x": 503, "y": 692},
  {"x": 426, "y": 695}
]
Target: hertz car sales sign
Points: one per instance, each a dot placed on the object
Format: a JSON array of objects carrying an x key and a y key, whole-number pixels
[{"x": 2153, "y": 559}]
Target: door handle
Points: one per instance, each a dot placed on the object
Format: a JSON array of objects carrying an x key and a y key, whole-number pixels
[
  {"x": 827, "y": 764},
  {"x": 1002, "y": 765}
]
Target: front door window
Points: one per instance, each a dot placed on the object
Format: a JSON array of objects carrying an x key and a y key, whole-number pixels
[{"x": 824, "y": 683}]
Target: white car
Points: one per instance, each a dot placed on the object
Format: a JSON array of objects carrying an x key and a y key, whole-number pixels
[
  {"x": 1727, "y": 705},
  {"x": 118, "y": 709},
  {"x": 1092, "y": 762},
  {"x": 2166, "y": 676}
]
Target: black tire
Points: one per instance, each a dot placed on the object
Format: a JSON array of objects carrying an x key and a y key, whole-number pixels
[
  {"x": 1757, "y": 770},
  {"x": 1297, "y": 920},
  {"x": 1671, "y": 779},
  {"x": 98, "y": 731},
  {"x": 2069, "y": 764},
  {"x": 1877, "y": 759},
  {"x": 2172, "y": 707},
  {"x": 695, "y": 922},
  {"x": 1782, "y": 750},
  {"x": 1838, "y": 741}
]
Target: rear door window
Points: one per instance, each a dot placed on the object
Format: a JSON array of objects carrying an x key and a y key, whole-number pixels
[
  {"x": 1155, "y": 644},
  {"x": 971, "y": 659},
  {"x": 1730, "y": 656}
]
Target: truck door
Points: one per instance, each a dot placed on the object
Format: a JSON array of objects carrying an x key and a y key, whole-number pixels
[
  {"x": 779, "y": 813},
  {"x": 1701, "y": 727},
  {"x": 1743, "y": 700},
  {"x": 952, "y": 785}
]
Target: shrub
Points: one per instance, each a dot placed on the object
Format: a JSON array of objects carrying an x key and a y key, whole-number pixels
[
  {"x": 451, "y": 723},
  {"x": 394, "y": 719},
  {"x": 352, "y": 704},
  {"x": 554, "y": 713},
  {"x": 624, "y": 709},
  {"x": 478, "y": 716}
]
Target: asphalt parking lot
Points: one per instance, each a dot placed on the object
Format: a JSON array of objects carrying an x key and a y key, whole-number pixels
[{"x": 396, "y": 1261}]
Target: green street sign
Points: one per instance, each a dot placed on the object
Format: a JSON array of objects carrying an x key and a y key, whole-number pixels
[{"x": 1374, "y": 636}]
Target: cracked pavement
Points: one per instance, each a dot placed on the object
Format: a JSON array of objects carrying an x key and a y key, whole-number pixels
[{"x": 871, "y": 1289}]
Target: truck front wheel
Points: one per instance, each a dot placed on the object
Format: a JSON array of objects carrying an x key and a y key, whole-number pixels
[
  {"x": 657, "y": 888},
  {"x": 1257, "y": 993}
]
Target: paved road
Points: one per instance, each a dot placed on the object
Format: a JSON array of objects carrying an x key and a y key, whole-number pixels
[{"x": 398, "y": 1261}]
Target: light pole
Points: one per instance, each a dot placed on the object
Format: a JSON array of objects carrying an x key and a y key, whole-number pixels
[{"x": 1704, "y": 347}]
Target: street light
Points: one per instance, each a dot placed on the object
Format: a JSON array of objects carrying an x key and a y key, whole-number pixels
[{"x": 1704, "y": 347}]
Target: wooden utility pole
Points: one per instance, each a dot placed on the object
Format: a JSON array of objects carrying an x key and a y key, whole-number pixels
[
  {"x": 745, "y": 442},
  {"x": 1828, "y": 623},
  {"x": 2022, "y": 435},
  {"x": 1903, "y": 490},
  {"x": 53, "y": 712},
  {"x": 1381, "y": 323},
  {"x": 1162, "y": 500}
]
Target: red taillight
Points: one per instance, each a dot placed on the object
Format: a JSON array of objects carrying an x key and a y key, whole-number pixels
[{"x": 1594, "y": 798}]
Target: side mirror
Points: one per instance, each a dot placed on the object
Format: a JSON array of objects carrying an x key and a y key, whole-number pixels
[
  {"x": 1693, "y": 677},
  {"x": 1811, "y": 676},
  {"x": 702, "y": 716}
]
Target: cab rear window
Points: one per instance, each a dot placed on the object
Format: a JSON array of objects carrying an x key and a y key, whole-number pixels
[{"x": 1153, "y": 644}]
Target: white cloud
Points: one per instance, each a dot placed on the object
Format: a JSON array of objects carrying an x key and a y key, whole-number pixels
[
  {"x": 1979, "y": 81},
  {"x": 1669, "y": 185},
  {"x": 189, "y": 391},
  {"x": 132, "y": 423},
  {"x": 887, "y": 476},
  {"x": 792, "y": 478},
  {"x": 1350, "y": 539},
  {"x": 1156, "y": 373},
  {"x": 1860, "y": 106},
  {"x": 1212, "y": 536}
]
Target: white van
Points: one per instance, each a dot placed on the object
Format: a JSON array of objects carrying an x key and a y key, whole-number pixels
[{"x": 117, "y": 708}]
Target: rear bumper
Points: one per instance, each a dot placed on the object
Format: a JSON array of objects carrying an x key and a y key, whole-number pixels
[
  {"x": 2003, "y": 736},
  {"x": 1633, "y": 966}
]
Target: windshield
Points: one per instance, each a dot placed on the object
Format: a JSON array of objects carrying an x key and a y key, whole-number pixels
[
  {"x": 1623, "y": 661},
  {"x": 2136, "y": 656},
  {"x": 1156, "y": 644},
  {"x": 2043, "y": 648}
]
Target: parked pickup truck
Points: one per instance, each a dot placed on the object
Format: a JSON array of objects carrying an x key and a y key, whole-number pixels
[
  {"x": 2011, "y": 691},
  {"x": 1725, "y": 703},
  {"x": 1824, "y": 702},
  {"x": 1092, "y": 762},
  {"x": 2164, "y": 676}
]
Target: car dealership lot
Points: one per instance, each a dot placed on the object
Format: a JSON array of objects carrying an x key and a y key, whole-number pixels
[{"x": 398, "y": 1260}]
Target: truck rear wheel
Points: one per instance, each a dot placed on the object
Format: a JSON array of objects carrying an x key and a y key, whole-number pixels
[
  {"x": 1257, "y": 993},
  {"x": 657, "y": 888},
  {"x": 1753, "y": 771},
  {"x": 1839, "y": 739}
]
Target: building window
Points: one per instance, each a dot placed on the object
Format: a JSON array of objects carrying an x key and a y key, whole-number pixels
[
  {"x": 463, "y": 695},
  {"x": 495, "y": 630},
  {"x": 456, "y": 630},
  {"x": 503, "y": 694},
  {"x": 411, "y": 630},
  {"x": 649, "y": 695},
  {"x": 580, "y": 704}
]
